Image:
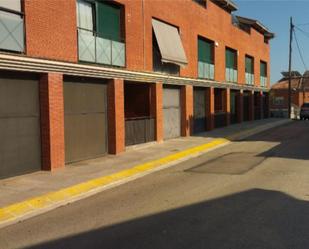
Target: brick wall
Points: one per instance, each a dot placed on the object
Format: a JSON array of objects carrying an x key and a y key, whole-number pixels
[
  {"x": 116, "y": 124},
  {"x": 51, "y": 29},
  {"x": 51, "y": 33},
  {"x": 52, "y": 121}
]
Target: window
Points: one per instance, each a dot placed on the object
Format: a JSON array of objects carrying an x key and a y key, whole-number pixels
[
  {"x": 11, "y": 26},
  {"x": 158, "y": 65},
  {"x": 231, "y": 73},
  {"x": 100, "y": 33},
  {"x": 205, "y": 59},
  {"x": 249, "y": 68},
  {"x": 263, "y": 74},
  {"x": 168, "y": 51}
]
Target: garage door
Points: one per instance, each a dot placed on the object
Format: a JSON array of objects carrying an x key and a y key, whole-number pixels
[
  {"x": 199, "y": 110},
  {"x": 171, "y": 113},
  {"x": 234, "y": 106},
  {"x": 85, "y": 120},
  {"x": 20, "y": 146}
]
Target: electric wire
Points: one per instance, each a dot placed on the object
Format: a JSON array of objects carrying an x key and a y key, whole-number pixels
[{"x": 299, "y": 51}]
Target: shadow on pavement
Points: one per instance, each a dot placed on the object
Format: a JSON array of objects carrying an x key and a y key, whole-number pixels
[
  {"x": 255, "y": 219},
  {"x": 292, "y": 138}
]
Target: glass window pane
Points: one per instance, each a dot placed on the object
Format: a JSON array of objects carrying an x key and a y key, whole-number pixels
[
  {"x": 11, "y": 32},
  {"x": 84, "y": 15},
  {"x": 108, "y": 21}
]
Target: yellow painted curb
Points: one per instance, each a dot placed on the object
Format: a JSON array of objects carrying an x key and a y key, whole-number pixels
[{"x": 18, "y": 210}]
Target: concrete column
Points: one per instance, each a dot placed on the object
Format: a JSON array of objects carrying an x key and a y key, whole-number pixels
[
  {"x": 251, "y": 105},
  {"x": 116, "y": 123},
  {"x": 157, "y": 109},
  {"x": 227, "y": 104},
  {"x": 240, "y": 106},
  {"x": 52, "y": 121},
  {"x": 210, "y": 108},
  {"x": 186, "y": 110}
]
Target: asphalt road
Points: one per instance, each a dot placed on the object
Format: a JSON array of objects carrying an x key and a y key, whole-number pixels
[{"x": 250, "y": 194}]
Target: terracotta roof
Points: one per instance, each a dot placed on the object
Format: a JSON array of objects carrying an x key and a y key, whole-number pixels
[{"x": 284, "y": 84}]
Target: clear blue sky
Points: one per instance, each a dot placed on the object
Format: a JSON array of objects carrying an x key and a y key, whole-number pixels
[{"x": 275, "y": 15}]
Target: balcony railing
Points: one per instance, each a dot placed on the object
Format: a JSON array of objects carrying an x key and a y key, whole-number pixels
[
  {"x": 11, "y": 31},
  {"x": 263, "y": 81},
  {"x": 231, "y": 75},
  {"x": 95, "y": 49},
  {"x": 139, "y": 130},
  {"x": 206, "y": 70},
  {"x": 249, "y": 79}
]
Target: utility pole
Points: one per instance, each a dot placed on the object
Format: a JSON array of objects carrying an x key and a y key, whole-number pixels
[{"x": 290, "y": 69}]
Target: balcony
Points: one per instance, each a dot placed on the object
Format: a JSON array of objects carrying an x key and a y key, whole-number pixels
[
  {"x": 249, "y": 79},
  {"x": 11, "y": 31},
  {"x": 206, "y": 70},
  {"x": 95, "y": 49},
  {"x": 263, "y": 81},
  {"x": 231, "y": 75}
]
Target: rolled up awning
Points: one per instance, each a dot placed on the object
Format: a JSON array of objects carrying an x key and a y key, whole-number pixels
[{"x": 170, "y": 44}]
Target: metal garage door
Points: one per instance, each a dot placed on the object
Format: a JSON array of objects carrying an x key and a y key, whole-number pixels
[
  {"x": 20, "y": 142},
  {"x": 234, "y": 106},
  {"x": 171, "y": 113},
  {"x": 199, "y": 110},
  {"x": 85, "y": 120}
]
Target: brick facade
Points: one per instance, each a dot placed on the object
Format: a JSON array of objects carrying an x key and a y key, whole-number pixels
[
  {"x": 115, "y": 105},
  {"x": 157, "y": 109},
  {"x": 52, "y": 121},
  {"x": 51, "y": 33},
  {"x": 51, "y": 29},
  {"x": 186, "y": 110}
]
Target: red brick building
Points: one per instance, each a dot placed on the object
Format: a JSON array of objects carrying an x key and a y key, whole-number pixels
[
  {"x": 80, "y": 79},
  {"x": 299, "y": 94}
]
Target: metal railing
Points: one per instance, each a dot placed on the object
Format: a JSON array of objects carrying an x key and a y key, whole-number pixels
[
  {"x": 231, "y": 75},
  {"x": 263, "y": 81},
  {"x": 206, "y": 70},
  {"x": 12, "y": 34},
  {"x": 139, "y": 130},
  {"x": 95, "y": 49},
  {"x": 249, "y": 79}
]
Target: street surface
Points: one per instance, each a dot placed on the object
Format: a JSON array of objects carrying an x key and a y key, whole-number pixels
[{"x": 251, "y": 194}]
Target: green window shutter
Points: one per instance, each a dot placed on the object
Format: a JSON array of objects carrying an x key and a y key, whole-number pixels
[
  {"x": 230, "y": 59},
  {"x": 227, "y": 59},
  {"x": 108, "y": 21},
  {"x": 263, "y": 67},
  {"x": 205, "y": 51},
  {"x": 249, "y": 65}
]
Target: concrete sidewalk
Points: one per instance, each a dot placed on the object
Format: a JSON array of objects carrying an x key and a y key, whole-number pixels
[{"x": 43, "y": 191}]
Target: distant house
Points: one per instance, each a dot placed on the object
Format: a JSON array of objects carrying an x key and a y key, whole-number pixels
[{"x": 279, "y": 94}]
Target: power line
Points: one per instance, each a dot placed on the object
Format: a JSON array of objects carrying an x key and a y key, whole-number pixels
[
  {"x": 303, "y": 31},
  {"x": 299, "y": 51},
  {"x": 303, "y": 24}
]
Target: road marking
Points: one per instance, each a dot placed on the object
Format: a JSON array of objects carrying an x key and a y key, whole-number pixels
[{"x": 28, "y": 208}]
